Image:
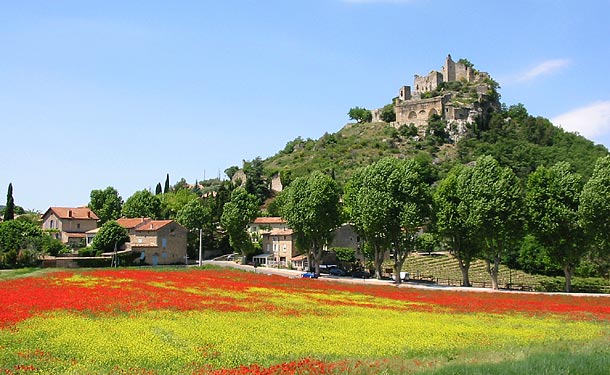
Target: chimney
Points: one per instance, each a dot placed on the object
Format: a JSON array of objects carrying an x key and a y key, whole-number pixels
[
  {"x": 152, "y": 226},
  {"x": 89, "y": 214},
  {"x": 69, "y": 213}
]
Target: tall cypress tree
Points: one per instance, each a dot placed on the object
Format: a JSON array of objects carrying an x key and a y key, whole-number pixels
[
  {"x": 9, "y": 211},
  {"x": 166, "y": 184},
  {"x": 158, "y": 189}
]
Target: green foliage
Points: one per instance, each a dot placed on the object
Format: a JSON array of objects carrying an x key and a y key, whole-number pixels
[
  {"x": 361, "y": 115},
  {"x": 345, "y": 254},
  {"x": 594, "y": 207},
  {"x": 175, "y": 200},
  {"x": 256, "y": 182},
  {"x": 110, "y": 236},
  {"x": 492, "y": 209},
  {"x": 166, "y": 187},
  {"x": 196, "y": 215},
  {"x": 15, "y": 234},
  {"x": 387, "y": 113},
  {"x": 388, "y": 202},
  {"x": 106, "y": 204},
  {"x": 237, "y": 214},
  {"x": 311, "y": 207},
  {"x": 9, "y": 210},
  {"x": 230, "y": 172},
  {"x": 552, "y": 201},
  {"x": 20, "y": 243},
  {"x": 142, "y": 204}
]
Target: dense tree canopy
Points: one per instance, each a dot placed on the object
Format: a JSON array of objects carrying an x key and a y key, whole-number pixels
[
  {"x": 389, "y": 203},
  {"x": 451, "y": 214},
  {"x": 552, "y": 201},
  {"x": 111, "y": 236},
  {"x": 143, "y": 204},
  {"x": 594, "y": 207},
  {"x": 107, "y": 204},
  {"x": 237, "y": 214},
  {"x": 310, "y": 205},
  {"x": 493, "y": 204}
]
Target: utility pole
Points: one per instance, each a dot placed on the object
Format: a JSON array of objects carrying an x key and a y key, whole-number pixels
[{"x": 200, "y": 241}]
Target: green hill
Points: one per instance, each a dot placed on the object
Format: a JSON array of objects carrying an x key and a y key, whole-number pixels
[{"x": 515, "y": 138}]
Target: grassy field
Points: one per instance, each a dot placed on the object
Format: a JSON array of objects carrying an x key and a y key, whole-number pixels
[{"x": 210, "y": 321}]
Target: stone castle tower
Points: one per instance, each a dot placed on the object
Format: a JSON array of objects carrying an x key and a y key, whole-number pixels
[{"x": 410, "y": 108}]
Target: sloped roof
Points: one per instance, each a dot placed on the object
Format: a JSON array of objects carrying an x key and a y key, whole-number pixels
[
  {"x": 81, "y": 213},
  {"x": 281, "y": 232},
  {"x": 153, "y": 225},
  {"x": 130, "y": 223},
  {"x": 269, "y": 220}
]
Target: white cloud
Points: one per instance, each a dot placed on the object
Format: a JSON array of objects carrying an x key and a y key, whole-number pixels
[
  {"x": 591, "y": 121},
  {"x": 544, "y": 68}
]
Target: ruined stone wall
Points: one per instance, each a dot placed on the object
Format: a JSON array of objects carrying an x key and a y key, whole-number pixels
[
  {"x": 418, "y": 111},
  {"x": 429, "y": 82}
]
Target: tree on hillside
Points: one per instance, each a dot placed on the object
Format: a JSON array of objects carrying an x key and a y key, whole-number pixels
[
  {"x": 494, "y": 200},
  {"x": 389, "y": 203},
  {"x": 230, "y": 172},
  {"x": 551, "y": 202},
  {"x": 388, "y": 114},
  {"x": 166, "y": 188},
  {"x": 106, "y": 204},
  {"x": 175, "y": 200},
  {"x": 256, "y": 183},
  {"x": 361, "y": 115},
  {"x": 237, "y": 214},
  {"x": 111, "y": 236},
  {"x": 143, "y": 204},
  {"x": 9, "y": 210},
  {"x": 594, "y": 207},
  {"x": 451, "y": 214},
  {"x": 158, "y": 189},
  {"x": 310, "y": 205}
]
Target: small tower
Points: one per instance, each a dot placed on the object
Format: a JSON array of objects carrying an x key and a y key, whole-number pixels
[{"x": 449, "y": 70}]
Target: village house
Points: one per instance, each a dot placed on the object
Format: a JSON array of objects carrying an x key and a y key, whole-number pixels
[
  {"x": 157, "y": 241},
  {"x": 69, "y": 224}
]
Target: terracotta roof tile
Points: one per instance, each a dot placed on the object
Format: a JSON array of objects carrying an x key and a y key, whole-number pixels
[
  {"x": 83, "y": 213},
  {"x": 130, "y": 223},
  {"x": 153, "y": 225},
  {"x": 269, "y": 220},
  {"x": 281, "y": 232}
]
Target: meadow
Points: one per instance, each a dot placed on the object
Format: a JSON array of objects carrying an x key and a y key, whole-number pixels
[{"x": 220, "y": 321}]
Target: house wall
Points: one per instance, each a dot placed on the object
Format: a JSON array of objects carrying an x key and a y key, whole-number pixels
[
  {"x": 66, "y": 226},
  {"x": 168, "y": 244},
  {"x": 281, "y": 246}
]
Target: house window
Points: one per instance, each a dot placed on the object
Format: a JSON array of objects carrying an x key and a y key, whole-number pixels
[
  {"x": 78, "y": 226},
  {"x": 52, "y": 224},
  {"x": 284, "y": 248},
  {"x": 164, "y": 242}
]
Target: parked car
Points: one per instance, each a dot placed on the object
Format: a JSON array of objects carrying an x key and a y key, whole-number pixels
[
  {"x": 361, "y": 274},
  {"x": 337, "y": 272},
  {"x": 309, "y": 275}
]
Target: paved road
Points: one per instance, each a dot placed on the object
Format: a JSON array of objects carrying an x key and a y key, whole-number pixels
[{"x": 350, "y": 280}]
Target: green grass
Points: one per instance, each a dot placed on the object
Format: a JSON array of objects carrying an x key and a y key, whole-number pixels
[{"x": 20, "y": 272}]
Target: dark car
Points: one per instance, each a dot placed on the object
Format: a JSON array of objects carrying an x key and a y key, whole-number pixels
[
  {"x": 361, "y": 274},
  {"x": 309, "y": 275},
  {"x": 337, "y": 272}
]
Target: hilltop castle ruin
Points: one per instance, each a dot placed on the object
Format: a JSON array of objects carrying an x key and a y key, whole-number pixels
[{"x": 430, "y": 97}]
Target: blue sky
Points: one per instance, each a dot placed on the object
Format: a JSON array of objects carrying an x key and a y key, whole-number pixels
[{"x": 119, "y": 93}]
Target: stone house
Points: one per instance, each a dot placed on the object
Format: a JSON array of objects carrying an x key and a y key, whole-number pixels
[
  {"x": 278, "y": 248},
  {"x": 69, "y": 224},
  {"x": 262, "y": 225},
  {"x": 158, "y": 241}
]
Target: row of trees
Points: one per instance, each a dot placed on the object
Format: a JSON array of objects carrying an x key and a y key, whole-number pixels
[{"x": 479, "y": 211}]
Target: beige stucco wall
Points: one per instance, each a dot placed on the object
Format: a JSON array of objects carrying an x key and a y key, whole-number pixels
[{"x": 168, "y": 244}]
